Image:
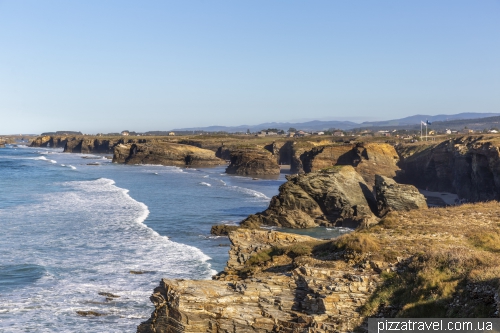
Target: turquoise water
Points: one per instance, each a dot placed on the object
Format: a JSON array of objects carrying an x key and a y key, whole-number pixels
[{"x": 70, "y": 230}]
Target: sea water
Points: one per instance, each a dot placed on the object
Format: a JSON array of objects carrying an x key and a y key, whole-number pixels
[{"x": 70, "y": 230}]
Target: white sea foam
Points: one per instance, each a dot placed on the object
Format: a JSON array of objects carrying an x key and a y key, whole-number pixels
[
  {"x": 52, "y": 161},
  {"x": 211, "y": 236},
  {"x": 63, "y": 165},
  {"x": 266, "y": 227},
  {"x": 163, "y": 168},
  {"x": 223, "y": 182},
  {"x": 206, "y": 176},
  {"x": 250, "y": 192},
  {"x": 88, "y": 238},
  {"x": 71, "y": 167},
  {"x": 206, "y": 184},
  {"x": 340, "y": 229}
]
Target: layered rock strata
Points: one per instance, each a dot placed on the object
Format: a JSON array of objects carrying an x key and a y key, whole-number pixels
[
  {"x": 297, "y": 299},
  {"x": 170, "y": 154},
  {"x": 253, "y": 163},
  {"x": 333, "y": 197},
  {"x": 368, "y": 159},
  {"x": 412, "y": 264},
  {"x": 392, "y": 196},
  {"x": 467, "y": 166}
]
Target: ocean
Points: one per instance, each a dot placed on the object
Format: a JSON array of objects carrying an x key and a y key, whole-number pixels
[{"x": 70, "y": 230}]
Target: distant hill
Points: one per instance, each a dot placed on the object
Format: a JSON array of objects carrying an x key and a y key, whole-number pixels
[
  {"x": 416, "y": 119},
  {"x": 477, "y": 124},
  {"x": 318, "y": 125},
  {"x": 315, "y": 125}
]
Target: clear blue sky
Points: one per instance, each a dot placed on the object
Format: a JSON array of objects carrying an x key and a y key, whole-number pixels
[{"x": 102, "y": 66}]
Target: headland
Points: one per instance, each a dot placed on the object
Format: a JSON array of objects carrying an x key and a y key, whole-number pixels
[{"x": 402, "y": 260}]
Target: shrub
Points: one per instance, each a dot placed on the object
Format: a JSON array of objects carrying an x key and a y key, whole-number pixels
[{"x": 357, "y": 242}]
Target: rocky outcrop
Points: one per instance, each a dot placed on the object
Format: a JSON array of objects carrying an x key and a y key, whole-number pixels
[
  {"x": 82, "y": 144},
  {"x": 222, "y": 229},
  {"x": 299, "y": 299},
  {"x": 467, "y": 166},
  {"x": 165, "y": 154},
  {"x": 91, "y": 145},
  {"x": 392, "y": 196},
  {"x": 50, "y": 141},
  {"x": 413, "y": 264},
  {"x": 253, "y": 163},
  {"x": 369, "y": 159},
  {"x": 333, "y": 197}
]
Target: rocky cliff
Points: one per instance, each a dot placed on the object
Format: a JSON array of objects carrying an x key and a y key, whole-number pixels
[
  {"x": 50, "y": 141},
  {"x": 369, "y": 159},
  {"x": 301, "y": 295},
  {"x": 165, "y": 154},
  {"x": 440, "y": 262},
  {"x": 84, "y": 144},
  {"x": 253, "y": 163},
  {"x": 467, "y": 166},
  {"x": 333, "y": 197}
]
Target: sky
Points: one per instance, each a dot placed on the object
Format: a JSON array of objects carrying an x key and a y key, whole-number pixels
[{"x": 107, "y": 66}]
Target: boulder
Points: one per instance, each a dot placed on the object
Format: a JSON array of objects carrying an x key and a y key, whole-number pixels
[
  {"x": 253, "y": 163},
  {"x": 163, "y": 153},
  {"x": 222, "y": 229},
  {"x": 392, "y": 196},
  {"x": 333, "y": 197}
]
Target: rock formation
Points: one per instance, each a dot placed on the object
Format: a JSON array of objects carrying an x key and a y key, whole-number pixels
[
  {"x": 298, "y": 299},
  {"x": 82, "y": 144},
  {"x": 333, "y": 197},
  {"x": 467, "y": 166},
  {"x": 392, "y": 196},
  {"x": 165, "y": 154},
  {"x": 426, "y": 263},
  {"x": 93, "y": 145},
  {"x": 253, "y": 163},
  {"x": 368, "y": 159},
  {"x": 49, "y": 141},
  {"x": 222, "y": 229}
]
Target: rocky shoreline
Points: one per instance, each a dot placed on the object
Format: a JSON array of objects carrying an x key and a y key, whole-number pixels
[
  {"x": 409, "y": 265},
  {"x": 402, "y": 260}
]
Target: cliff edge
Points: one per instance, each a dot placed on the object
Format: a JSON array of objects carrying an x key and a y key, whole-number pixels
[
  {"x": 163, "y": 153},
  {"x": 439, "y": 262}
]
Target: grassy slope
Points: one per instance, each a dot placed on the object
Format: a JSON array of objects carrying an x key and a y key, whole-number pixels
[{"x": 439, "y": 262}]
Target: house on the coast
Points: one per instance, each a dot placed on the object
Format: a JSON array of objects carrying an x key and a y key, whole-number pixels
[
  {"x": 301, "y": 134},
  {"x": 266, "y": 133}
]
